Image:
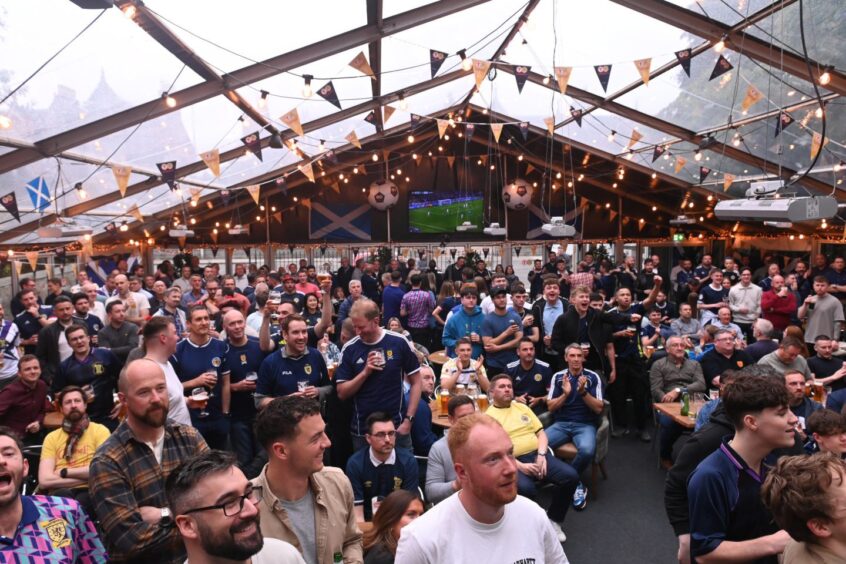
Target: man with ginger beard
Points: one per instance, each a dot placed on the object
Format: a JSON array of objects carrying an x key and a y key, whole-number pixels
[
  {"x": 128, "y": 473},
  {"x": 486, "y": 516}
]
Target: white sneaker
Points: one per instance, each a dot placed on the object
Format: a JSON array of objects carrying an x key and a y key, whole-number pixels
[{"x": 557, "y": 528}]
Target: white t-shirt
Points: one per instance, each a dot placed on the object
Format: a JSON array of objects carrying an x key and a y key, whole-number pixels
[
  {"x": 134, "y": 303},
  {"x": 448, "y": 534},
  {"x": 177, "y": 412},
  {"x": 276, "y": 551},
  {"x": 9, "y": 351}
]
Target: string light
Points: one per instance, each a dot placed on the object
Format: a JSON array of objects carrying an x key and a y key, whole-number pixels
[
  {"x": 546, "y": 80},
  {"x": 5, "y": 122},
  {"x": 263, "y": 100},
  {"x": 825, "y": 77},
  {"x": 170, "y": 101},
  {"x": 80, "y": 191},
  {"x": 375, "y": 157},
  {"x": 410, "y": 138},
  {"x": 697, "y": 156},
  {"x": 322, "y": 146},
  {"x": 124, "y": 227},
  {"x": 161, "y": 227},
  {"x": 10, "y": 253},
  {"x": 818, "y": 113},
  {"x": 193, "y": 221},
  {"x": 720, "y": 45},
  {"x": 129, "y": 11},
  {"x": 737, "y": 140},
  {"x": 654, "y": 175},
  {"x": 520, "y": 158},
  {"x": 307, "y": 91},
  {"x": 611, "y": 136},
  {"x": 402, "y": 104},
  {"x": 466, "y": 64}
]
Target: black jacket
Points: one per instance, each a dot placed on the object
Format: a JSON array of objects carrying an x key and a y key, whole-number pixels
[
  {"x": 537, "y": 313},
  {"x": 47, "y": 351},
  {"x": 600, "y": 326}
]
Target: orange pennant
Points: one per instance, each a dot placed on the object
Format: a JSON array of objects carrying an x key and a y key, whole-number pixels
[
  {"x": 292, "y": 120},
  {"x": 753, "y": 95},
  {"x": 817, "y": 143},
  {"x": 32, "y": 257},
  {"x": 451, "y": 161},
  {"x": 550, "y": 124},
  {"x": 442, "y": 127},
  {"x": 496, "y": 128},
  {"x": 727, "y": 180},
  {"x": 121, "y": 173},
  {"x": 360, "y": 64},
  {"x": 136, "y": 213},
  {"x": 353, "y": 139},
  {"x": 212, "y": 160},
  {"x": 680, "y": 162},
  {"x": 387, "y": 112},
  {"x": 480, "y": 70},
  {"x": 529, "y": 169},
  {"x": 562, "y": 75},
  {"x": 643, "y": 67},
  {"x": 255, "y": 191},
  {"x": 636, "y": 136},
  {"x": 613, "y": 214},
  {"x": 307, "y": 171}
]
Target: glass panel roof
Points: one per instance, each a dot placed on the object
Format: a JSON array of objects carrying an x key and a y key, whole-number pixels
[
  {"x": 729, "y": 12},
  {"x": 113, "y": 66}
]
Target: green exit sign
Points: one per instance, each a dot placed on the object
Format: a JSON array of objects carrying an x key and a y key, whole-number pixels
[{"x": 678, "y": 237}]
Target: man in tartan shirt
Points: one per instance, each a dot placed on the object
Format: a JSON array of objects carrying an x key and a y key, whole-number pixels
[{"x": 417, "y": 305}]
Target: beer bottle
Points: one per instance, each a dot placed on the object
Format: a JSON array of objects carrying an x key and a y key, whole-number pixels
[
  {"x": 685, "y": 402},
  {"x": 337, "y": 557}
]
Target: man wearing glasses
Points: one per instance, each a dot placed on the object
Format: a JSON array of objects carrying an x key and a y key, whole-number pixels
[
  {"x": 216, "y": 512},
  {"x": 723, "y": 357}
]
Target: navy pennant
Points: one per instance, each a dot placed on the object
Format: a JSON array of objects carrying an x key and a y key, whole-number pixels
[
  {"x": 723, "y": 66},
  {"x": 10, "y": 202},
  {"x": 782, "y": 122},
  {"x": 683, "y": 57},
  {"x": 577, "y": 115},
  {"x": 282, "y": 184},
  {"x": 469, "y": 130},
  {"x": 168, "y": 172},
  {"x": 253, "y": 143},
  {"x": 524, "y": 129},
  {"x": 657, "y": 152},
  {"x": 333, "y": 158},
  {"x": 521, "y": 73},
  {"x": 415, "y": 122},
  {"x": 436, "y": 59},
  {"x": 225, "y": 197},
  {"x": 603, "y": 73},
  {"x": 328, "y": 93},
  {"x": 371, "y": 118},
  {"x": 704, "y": 171}
]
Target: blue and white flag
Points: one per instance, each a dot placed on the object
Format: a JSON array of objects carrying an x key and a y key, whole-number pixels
[
  {"x": 339, "y": 222},
  {"x": 39, "y": 193}
]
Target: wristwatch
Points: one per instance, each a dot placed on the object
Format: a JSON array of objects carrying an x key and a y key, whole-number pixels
[
  {"x": 167, "y": 520},
  {"x": 63, "y": 472},
  {"x": 409, "y": 417}
]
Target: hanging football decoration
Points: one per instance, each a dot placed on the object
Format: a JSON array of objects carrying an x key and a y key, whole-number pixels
[
  {"x": 383, "y": 195},
  {"x": 517, "y": 195}
]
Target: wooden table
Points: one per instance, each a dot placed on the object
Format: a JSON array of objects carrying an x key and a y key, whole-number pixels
[
  {"x": 438, "y": 418},
  {"x": 673, "y": 409},
  {"x": 438, "y": 357}
]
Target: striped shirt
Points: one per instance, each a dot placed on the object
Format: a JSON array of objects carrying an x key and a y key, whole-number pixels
[
  {"x": 124, "y": 476},
  {"x": 581, "y": 279},
  {"x": 419, "y": 304}
]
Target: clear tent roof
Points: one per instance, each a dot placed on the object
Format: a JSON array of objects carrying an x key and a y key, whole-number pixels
[{"x": 116, "y": 66}]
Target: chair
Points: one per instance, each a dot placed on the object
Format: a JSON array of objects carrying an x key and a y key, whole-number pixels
[{"x": 603, "y": 433}]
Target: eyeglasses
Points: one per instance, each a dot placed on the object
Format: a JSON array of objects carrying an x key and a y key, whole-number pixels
[
  {"x": 384, "y": 435},
  {"x": 234, "y": 507}
]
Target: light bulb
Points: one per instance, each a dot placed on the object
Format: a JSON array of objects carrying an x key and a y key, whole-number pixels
[
  {"x": 307, "y": 91},
  {"x": 545, "y": 80},
  {"x": 825, "y": 78},
  {"x": 411, "y": 138},
  {"x": 170, "y": 101},
  {"x": 10, "y": 253},
  {"x": 129, "y": 11},
  {"x": 736, "y": 141},
  {"x": 151, "y": 241},
  {"x": 403, "y": 105},
  {"x": 193, "y": 221},
  {"x": 520, "y": 158},
  {"x": 5, "y": 122},
  {"x": 697, "y": 156},
  {"x": 161, "y": 227},
  {"x": 322, "y": 147},
  {"x": 466, "y": 64},
  {"x": 124, "y": 227},
  {"x": 375, "y": 157},
  {"x": 818, "y": 113},
  {"x": 720, "y": 45},
  {"x": 611, "y": 136}
]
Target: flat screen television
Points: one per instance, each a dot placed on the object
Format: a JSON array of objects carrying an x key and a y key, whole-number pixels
[{"x": 442, "y": 212}]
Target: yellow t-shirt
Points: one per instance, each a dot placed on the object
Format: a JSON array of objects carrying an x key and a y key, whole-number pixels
[
  {"x": 55, "y": 442},
  {"x": 521, "y": 424}
]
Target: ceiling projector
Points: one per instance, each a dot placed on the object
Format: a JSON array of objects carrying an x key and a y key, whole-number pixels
[
  {"x": 557, "y": 228},
  {"x": 764, "y": 203},
  {"x": 60, "y": 229},
  {"x": 180, "y": 231},
  {"x": 495, "y": 230},
  {"x": 239, "y": 230},
  {"x": 466, "y": 226},
  {"x": 683, "y": 220}
]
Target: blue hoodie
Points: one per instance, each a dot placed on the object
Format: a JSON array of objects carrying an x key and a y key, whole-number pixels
[{"x": 461, "y": 324}]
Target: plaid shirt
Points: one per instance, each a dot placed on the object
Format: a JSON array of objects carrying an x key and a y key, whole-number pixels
[
  {"x": 419, "y": 304},
  {"x": 581, "y": 279},
  {"x": 124, "y": 476}
]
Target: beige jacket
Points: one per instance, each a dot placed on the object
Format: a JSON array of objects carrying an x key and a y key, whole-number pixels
[
  {"x": 805, "y": 553},
  {"x": 335, "y": 526}
]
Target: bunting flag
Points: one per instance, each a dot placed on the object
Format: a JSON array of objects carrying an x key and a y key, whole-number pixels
[
  {"x": 10, "y": 202},
  {"x": 644, "y": 66},
  {"x": 111, "y": 228},
  {"x": 215, "y": 248},
  {"x": 225, "y": 196},
  {"x": 181, "y": 241},
  {"x": 386, "y": 155},
  {"x": 727, "y": 181},
  {"x": 307, "y": 203},
  {"x": 253, "y": 144},
  {"x": 577, "y": 115},
  {"x": 469, "y": 130},
  {"x": 121, "y": 173},
  {"x": 562, "y": 75},
  {"x": 613, "y": 214},
  {"x": 277, "y": 217},
  {"x": 521, "y": 74},
  {"x": 683, "y": 57},
  {"x": 640, "y": 225},
  {"x": 436, "y": 59},
  {"x": 721, "y": 67},
  {"x": 415, "y": 121},
  {"x": 680, "y": 162},
  {"x": 331, "y": 156},
  {"x": 387, "y": 112},
  {"x": 255, "y": 191},
  {"x": 135, "y": 212},
  {"x": 353, "y": 139},
  {"x": 753, "y": 95},
  {"x": 480, "y": 70},
  {"x": 442, "y": 127},
  {"x": 704, "y": 171},
  {"x": 529, "y": 169},
  {"x": 496, "y": 129},
  {"x": 451, "y": 161},
  {"x": 817, "y": 143},
  {"x": 195, "y": 195},
  {"x": 282, "y": 184},
  {"x": 307, "y": 171},
  {"x": 292, "y": 120},
  {"x": 783, "y": 121},
  {"x": 212, "y": 160},
  {"x": 328, "y": 93},
  {"x": 19, "y": 264},
  {"x": 635, "y": 137},
  {"x": 360, "y": 64},
  {"x": 214, "y": 235},
  {"x": 603, "y": 73},
  {"x": 657, "y": 152},
  {"x": 518, "y": 250},
  {"x": 336, "y": 187},
  {"x": 484, "y": 159},
  {"x": 371, "y": 118},
  {"x": 550, "y": 124},
  {"x": 32, "y": 257},
  {"x": 524, "y": 130},
  {"x": 168, "y": 172}
]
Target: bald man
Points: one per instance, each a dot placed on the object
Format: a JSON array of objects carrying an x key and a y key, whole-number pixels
[
  {"x": 137, "y": 305},
  {"x": 128, "y": 473}
]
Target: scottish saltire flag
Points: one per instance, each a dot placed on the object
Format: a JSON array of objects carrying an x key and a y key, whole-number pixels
[
  {"x": 39, "y": 193},
  {"x": 537, "y": 217},
  {"x": 339, "y": 222},
  {"x": 99, "y": 268}
]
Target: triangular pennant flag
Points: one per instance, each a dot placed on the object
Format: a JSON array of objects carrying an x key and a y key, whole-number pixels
[
  {"x": 328, "y": 93},
  {"x": 469, "y": 130},
  {"x": 253, "y": 144},
  {"x": 640, "y": 225},
  {"x": 680, "y": 162},
  {"x": 562, "y": 75},
  {"x": 635, "y": 137},
  {"x": 727, "y": 181},
  {"x": 529, "y": 169},
  {"x": 480, "y": 70},
  {"x": 452, "y": 253},
  {"x": 10, "y": 202},
  {"x": 136, "y": 213},
  {"x": 386, "y": 154},
  {"x": 415, "y": 122},
  {"x": 643, "y": 67},
  {"x": 577, "y": 115},
  {"x": 255, "y": 192},
  {"x": 181, "y": 241},
  {"x": 195, "y": 195},
  {"x": 817, "y": 143},
  {"x": 307, "y": 171},
  {"x": 613, "y": 214},
  {"x": 32, "y": 257},
  {"x": 704, "y": 171},
  {"x": 214, "y": 235},
  {"x": 496, "y": 129},
  {"x": 215, "y": 248},
  {"x": 521, "y": 73},
  {"x": 683, "y": 57},
  {"x": 331, "y": 156},
  {"x": 518, "y": 250},
  {"x": 657, "y": 152},
  {"x": 524, "y": 130},
  {"x": 371, "y": 118},
  {"x": 550, "y": 124},
  {"x": 121, "y": 173},
  {"x": 277, "y": 217},
  {"x": 353, "y": 139},
  {"x": 450, "y": 161},
  {"x": 19, "y": 264},
  {"x": 307, "y": 203},
  {"x": 782, "y": 122},
  {"x": 212, "y": 160},
  {"x": 168, "y": 172},
  {"x": 360, "y": 64},
  {"x": 721, "y": 67},
  {"x": 442, "y": 127},
  {"x": 484, "y": 159},
  {"x": 335, "y": 187},
  {"x": 292, "y": 120},
  {"x": 225, "y": 195},
  {"x": 436, "y": 59},
  {"x": 387, "y": 112},
  {"x": 603, "y": 73},
  {"x": 753, "y": 95}
]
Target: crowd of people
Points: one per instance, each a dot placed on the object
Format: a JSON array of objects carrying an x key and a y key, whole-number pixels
[{"x": 286, "y": 416}]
